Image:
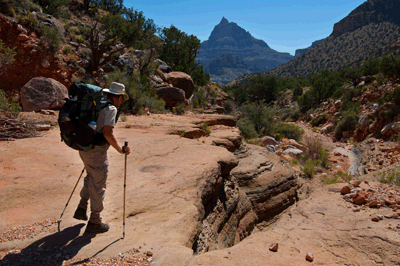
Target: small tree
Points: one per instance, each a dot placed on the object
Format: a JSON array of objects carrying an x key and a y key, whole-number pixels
[
  {"x": 179, "y": 51},
  {"x": 126, "y": 30},
  {"x": 261, "y": 88}
]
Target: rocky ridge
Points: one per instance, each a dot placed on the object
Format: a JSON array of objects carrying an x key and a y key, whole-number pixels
[{"x": 229, "y": 38}]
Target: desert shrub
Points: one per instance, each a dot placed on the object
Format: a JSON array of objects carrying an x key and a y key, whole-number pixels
[
  {"x": 9, "y": 106},
  {"x": 394, "y": 96},
  {"x": 390, "y": 66},
  {"x": 289, "y": 131},
  {"x": 52, "y": 7},
  {"x": 247, "y": 128},
  {"x": 66, "y": 49},
  {"x": 321, "y": 119},
  {"x": 391, "y": 177},
  {"x": 123, "y": 118},
  {"x": 140, "y": 96},
  {"x": 347, "y": 123},
  {"x": 338, "y": 93},
  {"x": 200, "y": 98},
  {"x": 309, "y": 167},
  {"x": 15, "y": 7},
  {"x": 328, "y": 181},
  {"x": 180, "y": 109},
  {"x": 229, "y": 106},
  {"x": 72, "y": 58},
  {"x": 298, "y": 91},
  {"x": 345, "y": 177},
  {"x": 6, "y": 56},
  {"x": 51, "y": 37},
  {"x": 260, "y": 117},
  {"x": 204, "y": 126},
  {"x": 29, "y": 21},
  {"x": 86, "y": 53}
]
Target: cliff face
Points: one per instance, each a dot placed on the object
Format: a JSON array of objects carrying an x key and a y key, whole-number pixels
[
  {"x": 367, "y": 32},
  {"x": 376, "y": 11},
  {"x": 228, "y": 38},
  {"x": 300, "y": 52}
]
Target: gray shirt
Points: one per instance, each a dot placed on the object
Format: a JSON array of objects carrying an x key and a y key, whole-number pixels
[{"x": 106, "y": 117}]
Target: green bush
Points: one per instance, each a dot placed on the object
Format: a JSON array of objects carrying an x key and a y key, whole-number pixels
[
  {"x": 309, "y": 167},
  {"x": 15, "y": 7},
  {"x": 289, "y": 131},
  {"x": 140, "y": 96},
  {"x": 247, "y": 128},
  {"x": 6, "y": 56},
  {"x": 9, "y": 106},
  {"x": 200, "y": 98},
  {"x": 260, "y": 117},
  {"x": 229, "y": 107},
  {"x": 51, "y": 37},
  {"x": 347, "y": 123},
  {"x": 298, "y": 91},
  {"x": 321, "y": 119},
  {"x": 180, "y": 109},
  {"x": 66, "y": 49},
  {"x": 392, "y": 177},
  {"x": 328, "y": 181}
]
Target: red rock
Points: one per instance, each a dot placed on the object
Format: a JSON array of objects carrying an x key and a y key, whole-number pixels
[
  {"x": 375, "y": 219},
  {"x": 345, "y": 190},
  {"x": 22, "y": 37},
  {"x": 359, "y": 198},
  {"x": 356, "y": 183},
  {"x": 274, "y": 247},
  {"x": 390, "y": 202},
  {"x": 333, "y": 160},
  {"x": 149, "y": 253},
  {"x": 310, "y": 257}
]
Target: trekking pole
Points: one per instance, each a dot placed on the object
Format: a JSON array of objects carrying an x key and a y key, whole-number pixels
[
  {"x": 123, "y": 224},
  {"x": 59, "y": 221}
]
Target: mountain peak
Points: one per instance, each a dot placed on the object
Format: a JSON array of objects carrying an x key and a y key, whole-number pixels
[{"x": 224, "y": 21}]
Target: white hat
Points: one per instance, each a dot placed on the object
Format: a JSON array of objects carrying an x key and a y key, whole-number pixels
[{"x": 117, "y": 89}]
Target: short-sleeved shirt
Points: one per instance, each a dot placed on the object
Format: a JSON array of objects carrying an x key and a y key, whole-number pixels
[{"x": 106, "y": 117}]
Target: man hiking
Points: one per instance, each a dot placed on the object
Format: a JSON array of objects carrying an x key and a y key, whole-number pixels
[{"x": 96, "y": 161}]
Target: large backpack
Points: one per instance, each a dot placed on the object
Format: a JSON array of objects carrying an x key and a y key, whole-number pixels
[{"x": 79, "y": 111}]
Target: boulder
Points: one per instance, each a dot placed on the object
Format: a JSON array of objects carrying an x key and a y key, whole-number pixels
[
  {"x": 171, "y": 95},
  {"x": 267, "y": 140},
  {"x": 293, "y": 152},
  {"x": 182, "y": 81},
  {"x": 43, "y": 93},
  {"x": 50, "y": 21},
  {"x": 163, "y": 66},
  {"x": 125, "y": 61}
]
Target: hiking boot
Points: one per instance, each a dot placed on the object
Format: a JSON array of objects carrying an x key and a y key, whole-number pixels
[
  {"x": 80, "y": 214},
  {"x": 96, "y": 228}
]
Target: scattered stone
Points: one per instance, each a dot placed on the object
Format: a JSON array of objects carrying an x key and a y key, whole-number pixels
[
  {"x": 274, "y": 247},
  {"x": 356, "y": 183},
  {"x": 45, "y": 64},
  {"x": 359, "y": 199},
  {"x": 43, "y": 127},
  {"x": 310, "y": 257},
  {"x": 345, "y": 190},
  {"x": 375, "y": 219},
  {"x": 380, "y": 217},
  {"x": 149, "y": 253}
]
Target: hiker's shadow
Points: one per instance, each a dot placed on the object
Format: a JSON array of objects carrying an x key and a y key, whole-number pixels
[{"x": 52, "y": 249}]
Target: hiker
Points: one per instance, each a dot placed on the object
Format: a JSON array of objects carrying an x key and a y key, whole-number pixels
[{"x": 96, "y": 161}]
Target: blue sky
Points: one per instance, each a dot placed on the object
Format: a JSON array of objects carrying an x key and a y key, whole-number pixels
[{"x": 285, "y": 25}]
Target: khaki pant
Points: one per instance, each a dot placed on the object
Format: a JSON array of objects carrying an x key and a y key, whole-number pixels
[{"x": 94, "y": 187}]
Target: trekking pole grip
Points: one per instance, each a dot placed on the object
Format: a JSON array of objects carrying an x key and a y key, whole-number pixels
[{"x": 123, "y": 147}]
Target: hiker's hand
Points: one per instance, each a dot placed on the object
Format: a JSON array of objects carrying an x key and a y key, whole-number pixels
[{"x": 126, "y": 150}]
